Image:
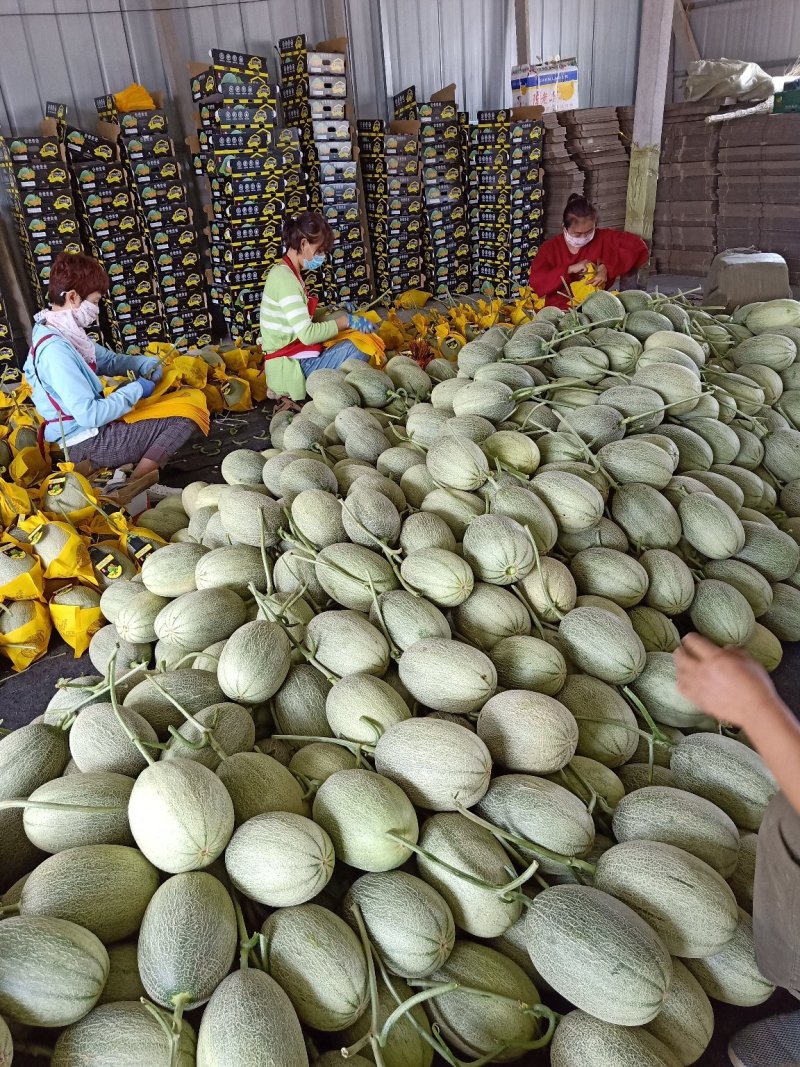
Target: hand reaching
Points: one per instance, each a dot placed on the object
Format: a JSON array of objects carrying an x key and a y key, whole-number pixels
[
  {"x": 148, "y": 387},
  {"x": 600, "y": 278},
  {"x": 578, "y": 268},
  {"x": 727, "y": 683},
  {"x": 358, "y": 322}
]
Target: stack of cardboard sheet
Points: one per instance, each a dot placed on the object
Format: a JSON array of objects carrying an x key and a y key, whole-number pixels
[
  {"x": 562, "y": 176},
  {"x": 685, "y": 238},
  {"x": 759, "y": 186},
  {"x": 594, "y": 142}
]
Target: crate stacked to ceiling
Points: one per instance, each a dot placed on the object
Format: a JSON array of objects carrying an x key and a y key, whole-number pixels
[
  {"x": 114, "y": 234},
  {"x": 38, "y": 186},
  {"x": 6, "y": 340},
  {"x": 444, "y": 179},
  {"x": 389, "y": 158},
  {"x": 255, "y": 174},
  {"x": 317, "y": 99},
  {"x": 759, "y": 176},
  {"x": 506, "y": 197},
  {"x": 562, "y": 176},
  {"x": 685, "y": 237},
  {"x": 161, "y": 198},
  {"x": 595, "y": 143}
]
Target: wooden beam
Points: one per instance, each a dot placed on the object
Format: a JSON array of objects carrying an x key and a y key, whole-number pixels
[
  {"x": 651, "y": 84},
  {"x": 522, "y": 21},
  {"x": 335, "y": 18},
  {"x": 684, "y": 34}
]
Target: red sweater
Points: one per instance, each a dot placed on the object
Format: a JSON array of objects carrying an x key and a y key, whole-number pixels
[{"x": 619, "y": 252}]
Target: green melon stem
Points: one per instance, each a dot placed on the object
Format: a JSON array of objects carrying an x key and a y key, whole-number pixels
[
  {"x": 286, "y": 625},
  {"x": 29, "y": 1048},
  {"x": 371, "y": 979},
  {"x": 357, "y": 748},
  {"x": 205, "y": 731},
  {"x": 46, "y": 805},
  {"x": 264, "y": 556},
  {"x": 394, "y": 651},
  {"x": 180, "y": 1000},
  {"x": 112, "y": 692},
  {"x": 98, "y": 690},
  {"x": 408, "y": 1005},
  {"x": 479, "y": 883},
  {"x": 158, "y": 1016},
  {"x": 246, "y": 943},
  {"x": 648, "y": 718},
  {"x": 9, "y": 909},
  {"x": 595, "y": 800},
  {"x": 533, "y": 616},
  {"x": 433, "y": 1039},
  {"x": 531, "y": 846},
  {"x": 550, "y": 602}
]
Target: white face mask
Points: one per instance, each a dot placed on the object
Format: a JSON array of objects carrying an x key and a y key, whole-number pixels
[
  {"x": 86, "y": 314},
  {"x": 575, "y": 242}
]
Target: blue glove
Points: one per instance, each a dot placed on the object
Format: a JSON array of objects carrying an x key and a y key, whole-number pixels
[
  {"x": 357, "y": 322},
  {"x": 151, "y": 368},
  {"x": 148, "y": 387}
]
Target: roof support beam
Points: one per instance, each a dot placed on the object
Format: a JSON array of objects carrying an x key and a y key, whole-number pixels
[
  {"x": 522, "y": 21},
  {"x": 684, "y": 35},
  {"x": 651, "y": 84}
]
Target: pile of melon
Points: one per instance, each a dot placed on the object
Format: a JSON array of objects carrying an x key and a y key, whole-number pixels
[{"x": 384, "y": 751}]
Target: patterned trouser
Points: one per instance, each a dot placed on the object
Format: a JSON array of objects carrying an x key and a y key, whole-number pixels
[{"x": 119, "y": 442}]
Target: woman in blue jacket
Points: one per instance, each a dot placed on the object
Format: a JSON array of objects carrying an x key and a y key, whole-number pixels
[{"x": 63, "y": 368}]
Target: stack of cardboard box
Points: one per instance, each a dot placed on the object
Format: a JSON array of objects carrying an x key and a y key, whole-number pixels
[
  {"x": 389, "y": 157},
  {"x": 685, "y": 238},
  {"x": 38, "y": 186},
  {"x": 317, "y": 98},
  {"x": 562, "y": 176},
  {"x": 6, "y": 340},
  {"x": 443, "y": 149},
  {"x": 759, "y": 183},
  {"x": 255, "y": 174},
  {"x": 506, "y": 196},
  {"x": 114, "y": 233},
  {"x": 595, "y": 144}
]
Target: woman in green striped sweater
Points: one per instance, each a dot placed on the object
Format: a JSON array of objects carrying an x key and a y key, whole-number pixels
[{"x": 291, "y": 333}]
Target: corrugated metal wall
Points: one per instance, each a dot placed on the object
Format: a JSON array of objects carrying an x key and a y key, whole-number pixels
[
  {"x": 603, "y": 34},
  {"x": 761, "y": 31}
]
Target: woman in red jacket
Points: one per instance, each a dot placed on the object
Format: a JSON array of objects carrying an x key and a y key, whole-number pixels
[{"x": 563, "y": 259}]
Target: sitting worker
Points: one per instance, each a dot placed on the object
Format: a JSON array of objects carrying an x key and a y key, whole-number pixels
[
  {"x": 291, "y": 336},
  {"x": 563, "y": 259},
  {"x": 63, "y": 368}
]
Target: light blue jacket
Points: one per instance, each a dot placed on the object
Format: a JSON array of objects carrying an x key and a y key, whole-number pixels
[{"x": 62, "y": 372}]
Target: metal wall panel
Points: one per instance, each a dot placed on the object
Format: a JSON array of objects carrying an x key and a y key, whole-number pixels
[
  {"x": 75, "y": 50},
  {"x": 603, "y": 34},
  {"x": 469, "y": 42},
  {"x": 766, "y": 32}
]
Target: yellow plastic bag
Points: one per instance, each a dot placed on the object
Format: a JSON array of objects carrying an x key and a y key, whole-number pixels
[
  {"x": 60, "y": 548},
  {"x": 214, "y": 399},
  {"x": 25, "y": 629},
  {"x": 77, "y": 623},
  {"x": 21, "y": 576},
  {"x": 192, "y": 370},
  {"x": 65, "y": 494},
  {"x": 14, "y": 501},
  {"x": 29, "y": 466},
  {"x": 413, "y": 298},
  {"x": 109, "y": 519},
  {"x": 235, "y": 360},
  {"x": 258, "y": 383},
  {"x": 236, "y": 394}
]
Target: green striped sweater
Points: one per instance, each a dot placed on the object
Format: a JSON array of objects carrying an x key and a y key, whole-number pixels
[{"x": 284, "y": 316}]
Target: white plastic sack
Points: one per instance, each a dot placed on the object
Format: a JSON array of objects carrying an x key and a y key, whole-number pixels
[{"x": 718, "y": 78}]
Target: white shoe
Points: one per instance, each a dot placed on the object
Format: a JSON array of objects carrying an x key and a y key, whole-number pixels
[{"x": 161, "y": 492}]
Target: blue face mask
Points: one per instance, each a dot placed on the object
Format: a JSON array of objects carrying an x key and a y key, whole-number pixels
[{"x": 315, "y": 261}]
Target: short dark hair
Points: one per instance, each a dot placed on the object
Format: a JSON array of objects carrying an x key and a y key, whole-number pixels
[
  {"x": 72, "y": 270},
  {"x": 309, "y": 226},
  {"x": 578, "y": 207}
]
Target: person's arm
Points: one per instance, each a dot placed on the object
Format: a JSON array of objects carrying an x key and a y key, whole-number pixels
[
  {"x": 76, "y": 395},
  {"x": 115, "y": 363},
  {"x": 284, "y": 308},
  {"x": 731, "y": 686},
  {"x": 547, "y": 271},
  {"x": 621, "y": 253}
]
